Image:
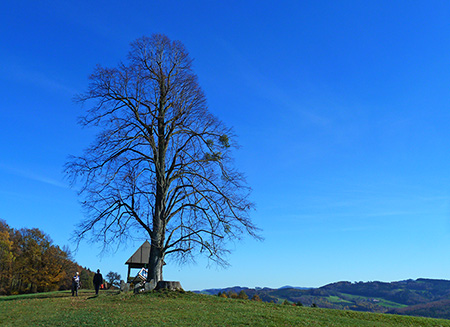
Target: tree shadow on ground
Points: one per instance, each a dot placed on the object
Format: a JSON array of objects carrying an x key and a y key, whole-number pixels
[
  {"x": 87, "y": 294},
  {"x": 34, "y": 296}
]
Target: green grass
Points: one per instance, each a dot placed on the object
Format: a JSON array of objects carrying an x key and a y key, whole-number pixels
[
  {"x": 337, "y": 299},
  {"x": 390, "y": 304},
  {"x": 382, "y": 302},
  {"x": 179, "y": 309}
]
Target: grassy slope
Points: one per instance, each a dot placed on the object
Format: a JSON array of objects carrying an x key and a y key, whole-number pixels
[
  {"x": 186, "y": 309},
  {"x": 382, "y": 302}
]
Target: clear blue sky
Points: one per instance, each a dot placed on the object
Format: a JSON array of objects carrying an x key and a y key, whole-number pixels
[{"x": 341, "y": 108}]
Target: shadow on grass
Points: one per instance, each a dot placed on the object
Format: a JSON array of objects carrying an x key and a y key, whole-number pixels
[
  {"x": 57, "y": 294},
  {"x": 46, "y": 295}
]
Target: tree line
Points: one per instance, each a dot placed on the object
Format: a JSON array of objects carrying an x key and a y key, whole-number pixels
[{"x": 30, "y": 263}]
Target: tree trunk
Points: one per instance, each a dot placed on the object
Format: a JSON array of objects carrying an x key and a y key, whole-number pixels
[
  {"x": 155, "y": 264},
  {"x": 156, "y": 260},
  {"x": 158, "y": 232},
  {"x": 157, "y": 240}
]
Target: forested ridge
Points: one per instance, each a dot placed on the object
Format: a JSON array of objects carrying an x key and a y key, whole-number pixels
[
  {"x": 420, "y": 297},
  {"x": 30, "y": 263}
]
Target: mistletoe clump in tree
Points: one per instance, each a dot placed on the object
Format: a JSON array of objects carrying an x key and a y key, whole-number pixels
[{"x": 161, "y": 163}]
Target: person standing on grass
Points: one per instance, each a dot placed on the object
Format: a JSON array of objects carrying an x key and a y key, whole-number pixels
[
  {"x": 98, "y": 280},
  {"x": 75, "y": 284}
]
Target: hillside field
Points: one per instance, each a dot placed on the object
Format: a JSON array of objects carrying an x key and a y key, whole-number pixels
[{"x": 179, "y": 309}]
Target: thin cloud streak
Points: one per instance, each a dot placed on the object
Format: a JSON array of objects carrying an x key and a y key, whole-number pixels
[
  {"x": 22, "y": 74},
  {"x": 33, "y": 176}
]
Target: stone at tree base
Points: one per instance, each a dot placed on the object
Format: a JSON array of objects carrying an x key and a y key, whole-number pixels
[
  {"x": 139, "y": 287},
  {"x": 150, "y": 285},
  {"x": 173, "y": 286},
  {"x": 124, "y": 287}
]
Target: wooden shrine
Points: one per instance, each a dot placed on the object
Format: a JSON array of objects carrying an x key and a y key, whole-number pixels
[{"x": 139, "y": 259}]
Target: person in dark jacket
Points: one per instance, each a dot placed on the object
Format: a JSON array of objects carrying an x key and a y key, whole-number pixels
[{"x": 98, "y": 280}]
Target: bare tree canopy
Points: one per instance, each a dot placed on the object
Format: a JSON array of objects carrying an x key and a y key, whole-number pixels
[{"x": 161, "y": 162}]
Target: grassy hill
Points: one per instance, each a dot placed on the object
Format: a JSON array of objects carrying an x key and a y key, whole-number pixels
[{"x": 179, "y": 309}]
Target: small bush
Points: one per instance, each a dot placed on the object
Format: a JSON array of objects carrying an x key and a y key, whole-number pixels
[
  {"x": 256, "y": 298},
  {"x": 223, "y": 295},
  {"x": 232, "y": 295},
  {"x": 299, "y": 304},
  {"x": 242, "y": 295},
  {"x": 286, "y": 302}
]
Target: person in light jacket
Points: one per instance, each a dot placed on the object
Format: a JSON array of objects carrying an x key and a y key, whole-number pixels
[{"x": 75, "y": 284}]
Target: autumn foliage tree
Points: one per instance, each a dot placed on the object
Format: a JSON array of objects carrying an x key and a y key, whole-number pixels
[
  {"x": 30, "y": 262},
  {"x": 256, "y": 298},
  {"x": 87, "y": 279},
  {"x": 161, "y": 163},
  {"x": 6, "y": 258},
  {"x": 41, "y": 264},
  {"x": 242, "y": 295}
]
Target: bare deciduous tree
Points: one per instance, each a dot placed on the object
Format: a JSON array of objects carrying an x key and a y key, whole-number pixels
[
  {"x": 161, "y": 162},
  {"x": 113, "y": 279}
]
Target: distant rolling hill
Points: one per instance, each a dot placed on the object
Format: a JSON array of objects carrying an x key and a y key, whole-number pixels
[
  {"x": 296, "y": 287},
  {"x": 420, "y": 297},
  {"x": 439, "y": 309}
]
